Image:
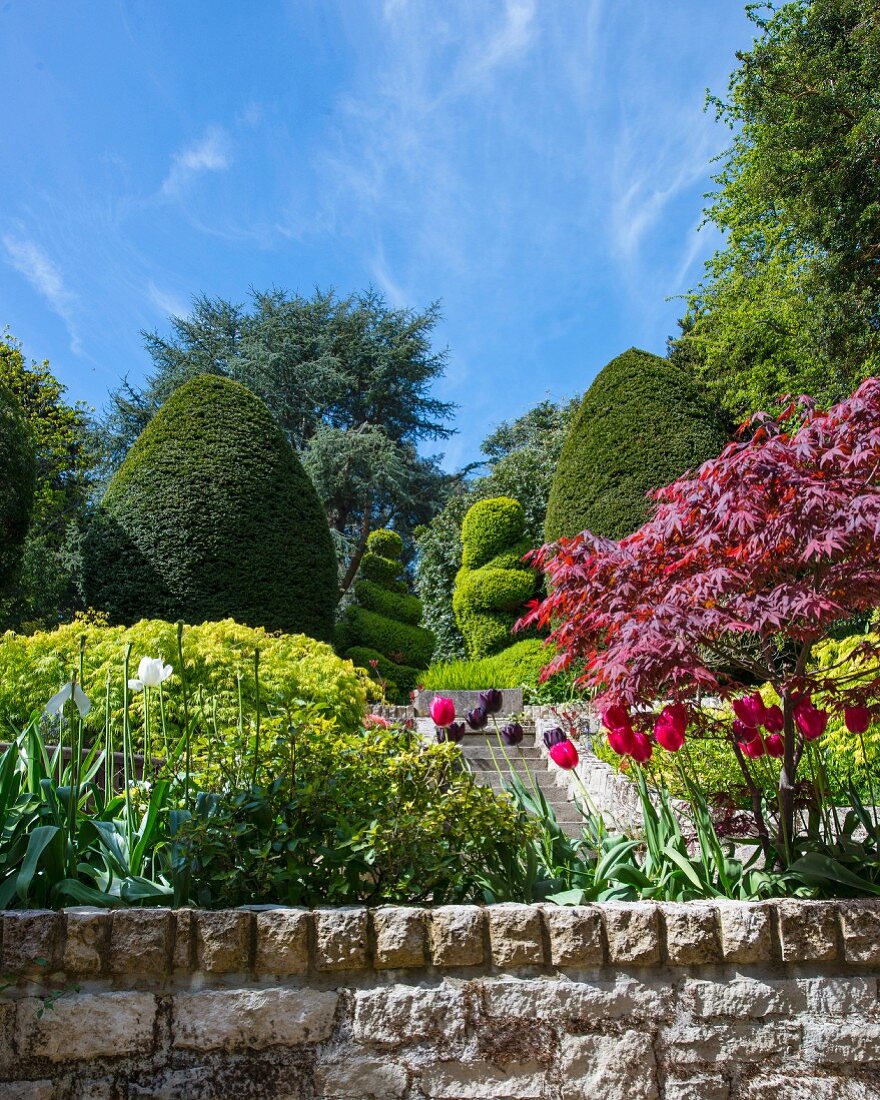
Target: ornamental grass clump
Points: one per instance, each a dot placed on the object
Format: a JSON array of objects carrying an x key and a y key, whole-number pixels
[{"x": 741, "y": 573}]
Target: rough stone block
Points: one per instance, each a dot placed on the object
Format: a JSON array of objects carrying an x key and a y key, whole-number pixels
[
  {"x": 860, "y": 926},
  {"x": 223, "y": 941},
  {"x": 482, "y": 1081},
  {"x": 784, "y": 1086},
  {"x": 807, "y": 930},
  {"x": 140, "y": 942},
  {"x": 86, "y": 1026},
  {"x": 515, "y": 935},
  {"x": 395, "y": 1015},
  {"x": 575, "y": 935},
  {"x": 686, "y": 1044},
  {"x": 360, "y": 1077},
  {"x": 745, "y": 931},
  {"x": 87, "y": 934},
  {"x": 838, "y": 1042},
  {"x": 456, "y": 934},
  {"x": 400, "y": 937},
  {"x": 184, "y": 939},
  {"x": 340, "y": 939},
  {"x": 96, "y": 1088},
  {"x": 840, "y": 996},
  {"x": 27, "y": 1090},
  {"x": 282, "y": 941},
  {"x": 692, "y": 934},
  {"x": 609, "y": 1065},
  {"x": 32, "y": 942},
  {"x": 743, "y": 997},
  {"x": 699, "y": 1086},
  {"x": 251, "y": 1019},
  {"x": 633, "y": 933}
]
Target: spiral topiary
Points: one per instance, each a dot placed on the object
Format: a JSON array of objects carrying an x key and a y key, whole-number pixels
[
  {"x": 381, "y": 628},
  {"x": 493, "y": 582},
  {"x": 212, "y": 516},
  {"x": 18, "y": 474}
]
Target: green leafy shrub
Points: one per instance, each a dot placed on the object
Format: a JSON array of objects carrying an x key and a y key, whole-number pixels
[
  {"x": 18, "y": 474},
  {"x": 493, "y": 583},
  {"x": 381, "y": 629},
  {"x": 517, "y": 666},
  {"x": 642, "y": 423},
  {"x": 294, "y": 669},
  {"x": 211, "y": 516}
]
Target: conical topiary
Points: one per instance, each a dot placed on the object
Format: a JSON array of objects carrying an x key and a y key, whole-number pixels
[
  {"x": 381, "y": 629},
  {"x": 212, "y": 516},
  {"x": 642, "y": 423},
  {"x": 493, "y": 583},
  {"x": 18, "y": 474}
]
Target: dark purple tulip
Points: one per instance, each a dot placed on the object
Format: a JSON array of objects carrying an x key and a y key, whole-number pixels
[
  {"x": 554, "y": 736},
  {"x": 477, "y": 718},
  {"x": 491, "y": 700},
  {"x": 455, "y": 732},
  {"x": 512, "y": 733}
]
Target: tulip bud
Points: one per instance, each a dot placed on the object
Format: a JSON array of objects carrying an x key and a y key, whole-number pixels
[
  {"x": 512, "y": 733},
  {"x": 564, "y": 754},
  {"x": 455, "y": 732},
  {"x": 774, "y": 745},
  {"x": 754, "y": 748},
  {"x": 774, "y": 722},
  {"x": 810, "y": 721},
  {"x": 857, "y": 719},
  {"x": 750, "y": 710},
  {"x": 669, "y": 731},
  {"x": 622, "y": 740},
  {"x": 442, "y": 711},
  {"x": 553, "y": 737},
  {"x": 491, "y": 700},
  {"x": 477, "y": 718},
  {"x": 642, "y": 748},
  {"x": 743, "y": 733},
  {"x": 616, "y": 717}
]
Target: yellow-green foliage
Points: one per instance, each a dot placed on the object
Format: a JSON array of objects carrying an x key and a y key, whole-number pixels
[
  {"x": 844, "y": 749},
  {"x": 294, "y": 669},
  {"x": 517, "y": 666}
]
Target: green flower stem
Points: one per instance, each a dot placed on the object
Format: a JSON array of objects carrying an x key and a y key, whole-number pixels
[{"x": 127, "y": 757}]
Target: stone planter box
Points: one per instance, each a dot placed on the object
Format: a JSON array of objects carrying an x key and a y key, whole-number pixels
[
  {"x": 467, "y": 700},
  {"x": 624, "y": 1001}
]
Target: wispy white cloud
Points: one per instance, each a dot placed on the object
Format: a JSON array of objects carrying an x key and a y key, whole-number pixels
[
  {"x": 29, "y": 259},
  {"x": 211, "y": 153},
  {"x": 169, "y": 305}
]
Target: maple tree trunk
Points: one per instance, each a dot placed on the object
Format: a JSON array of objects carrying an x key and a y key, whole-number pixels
[{"x": 787, "y": 777}]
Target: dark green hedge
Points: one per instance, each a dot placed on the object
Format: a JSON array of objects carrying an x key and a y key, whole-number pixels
[
  {"x": 400, "y": 680},
  {"x": 413, "y": 644},
  {"x": 18, "y": 475},
  {"x": 490, "y": 527},
  {"x": 212, "y": 516},
  {"x": 384, "y": 601},
  {"x": 642, "y": 423}
]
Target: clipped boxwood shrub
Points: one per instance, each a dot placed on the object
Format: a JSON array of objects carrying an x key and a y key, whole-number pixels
[
  {"x": 493, "y": 582},
  {"x": 294, "y": 670},
  {"x": 212, "y": 516},
  {"x": 519, "y": 665},
  {"x": 642, "y": 423},
  {"x": 381, "y": 629},
  {"x": 18, "y": 475}
]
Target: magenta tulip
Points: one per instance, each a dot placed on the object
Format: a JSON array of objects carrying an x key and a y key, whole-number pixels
[
  {"x": 616, "y": 717},
  {"x": 642, "y": 748},
  {"x": 743, "y": 733},
  {"x": 442, "y": 711},
  {"x": 774, "y": 745},
  {"x": 668, "y": 733},
  {"x": 750, "y": 710},
  {"x": 774, "y": 722},
  {"x": 857, "y": 719},
  {"x": 622, "y": 740},
  {"x": 754, "y": 748},
  {"x": 564, "y": 754},
  {"x": 810, "y": 721}
]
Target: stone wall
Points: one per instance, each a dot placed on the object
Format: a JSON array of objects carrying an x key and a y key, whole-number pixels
[{"x": 637, "y": 1001}]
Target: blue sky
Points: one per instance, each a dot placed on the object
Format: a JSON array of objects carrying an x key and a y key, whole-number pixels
[{"x": 537, "y": 165}]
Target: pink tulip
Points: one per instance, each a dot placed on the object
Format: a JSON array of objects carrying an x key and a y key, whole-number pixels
[
  {"x": 774, "y": 722},
  {"x": 743, "y": 733},
  {"x": 442, "y": 711},
  {"x": 754, "y": 748},
  {"x": 750, "y": 710},
  {"x": 642, "y": 748},
  {"x": 810, "y": 721},
  {"x": 857, "y": 719},
  {"x": 774, "y": 745},
  {"x": 616, "y": 717},
  {"x": 564, "y": 754},
  {"x": 668, "y": 733},
  {"x": 622, "y": 740}
]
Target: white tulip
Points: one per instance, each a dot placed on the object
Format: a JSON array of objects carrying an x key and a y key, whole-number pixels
[
  {"x": 69, "y": 691},
  {"x": 151, "y": 673}
]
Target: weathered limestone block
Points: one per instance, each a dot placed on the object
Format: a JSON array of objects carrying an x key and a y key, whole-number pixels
[
  {"x": 483, "y": 1081},
  {"x": 184, "y": 939},
  {"x": 783, "y": 1086},
  {"x": 564, "y": 1000},
  {"x": 359, "y": 1076},
  {"x": 27, "y": 1090},
  {"x": 836, "y": 1042},
  {"x": 840, "y": 996},
  {"x": 745, "y": 931},
  {"x": 687, "y": 1044},
  {"x": 743, "y": 997},
  {"x": 223, "y": 941},
  {"x": 515, "y": 935},
  {"x": 400, "y": 936},
  {"x": 807, "y": 930},
  {"x": 575, "y": 935},
  {"x": 340, "y": 939},
  {"x": 86, "y": 937},
  {"x": 633, "y": 933},
  {"x": 140, "y": 942},
  {"x": 860, "y": 923},
  {"x": 692, "y": 934},
  {"x": 282, "y": 942},
  {"x": 31, "y": 942},
  {"x": 596, "y": 1066},
  {"x": 698, "y": 1086},
  {"x": 396, "y": 1015},
  {"x": 456, "y": 934},
  {"x": 251, "y": 1019},
  {"x": 96, "y": 1088},
  {"x": 86, "y": 1025}
]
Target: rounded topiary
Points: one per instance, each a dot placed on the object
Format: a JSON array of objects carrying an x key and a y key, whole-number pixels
[
  {"x": 381, "y": 628},
  {"x": 493, "y": 582},
  {"x": 212, "y": 516},
  {"x": 642, "y": 423},
  {"x": 18, "y": 475}
]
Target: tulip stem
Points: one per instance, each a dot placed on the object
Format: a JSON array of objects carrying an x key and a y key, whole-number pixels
[{"x": 126, "y": 750}]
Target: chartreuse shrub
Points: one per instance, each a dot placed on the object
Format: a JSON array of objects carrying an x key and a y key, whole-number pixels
[
  {"x": 381, "y": 629},
  {"x": 517, "y": 666},
  {"x": 18, "y": 472},
  {"x": 211, "y": 516},
  {"x": 294, "y": 670},
  {"x": 642, "y": 423},
  {"x": 493, "y": 583}
]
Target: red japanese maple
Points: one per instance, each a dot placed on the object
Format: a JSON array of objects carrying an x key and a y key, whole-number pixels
[{"x": 741, "y": 571}]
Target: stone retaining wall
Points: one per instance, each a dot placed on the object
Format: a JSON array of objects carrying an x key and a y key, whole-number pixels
[{"x": 637, "y": 1001}]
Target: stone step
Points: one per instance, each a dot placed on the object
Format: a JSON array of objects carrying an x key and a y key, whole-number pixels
[{"x": 479, "y": 754}]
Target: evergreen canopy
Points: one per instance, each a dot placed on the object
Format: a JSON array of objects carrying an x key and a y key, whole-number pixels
[{"x": 18, "y": 472}]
